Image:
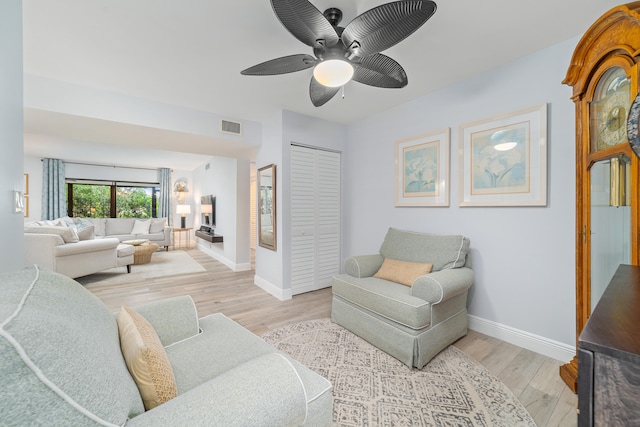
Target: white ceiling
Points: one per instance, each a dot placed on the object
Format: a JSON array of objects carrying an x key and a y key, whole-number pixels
[{"x": 190, "y": 54}]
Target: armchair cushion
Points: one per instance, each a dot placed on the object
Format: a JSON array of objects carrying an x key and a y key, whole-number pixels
[
  {"x": 387, "y": 299},
  {"x": 238, "y": 397},
  {"x": 402, "y": 272},
  {"x": 146, "y": 359}
]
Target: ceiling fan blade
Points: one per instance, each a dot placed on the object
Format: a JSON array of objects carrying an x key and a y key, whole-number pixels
[
  {"x": 305, "y": 22},
  {"x": 286, "y": 64},
  {"x": 321, "y": 94},
  {"x": 380, "y": 71},
  {"x": 382, "y": 27}
]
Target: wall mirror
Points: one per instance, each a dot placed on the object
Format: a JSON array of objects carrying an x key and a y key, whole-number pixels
[{"x": 267, "y": 207}]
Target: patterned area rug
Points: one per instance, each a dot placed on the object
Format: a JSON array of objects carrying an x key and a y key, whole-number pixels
[{"x": 372, "y": 388}]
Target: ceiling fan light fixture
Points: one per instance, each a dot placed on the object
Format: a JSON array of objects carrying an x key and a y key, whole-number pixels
[{"x": 333, "y": 72}]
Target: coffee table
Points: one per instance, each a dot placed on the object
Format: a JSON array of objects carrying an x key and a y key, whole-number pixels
[{"x": 143, "y": 251}]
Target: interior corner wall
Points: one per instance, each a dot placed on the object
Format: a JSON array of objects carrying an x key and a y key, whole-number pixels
[
  {"x": 268, "y": 263},
  {"x": 228, "y": 180},
  {"x": 523, "y": 257},
  {"x": 11, "y": 134}
]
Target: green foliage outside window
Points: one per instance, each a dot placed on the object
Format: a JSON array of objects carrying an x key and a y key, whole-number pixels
[
  {"x": 91, "y": 201},
  {"x": 133, "y": 202},
  {"x": 94, "y": 201}
]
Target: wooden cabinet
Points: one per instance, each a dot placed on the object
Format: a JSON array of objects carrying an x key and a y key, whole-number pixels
[{"x": 609, "y": 355}]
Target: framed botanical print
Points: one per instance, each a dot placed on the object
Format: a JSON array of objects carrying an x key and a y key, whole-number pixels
[
  {"x": 503, "y": 160},
  {"x": 422, "y": 170}
]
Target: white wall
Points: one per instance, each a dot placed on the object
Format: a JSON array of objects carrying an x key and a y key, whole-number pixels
[
  {"x": 268, "y": 264},
  {"x": 287, "y": 127},
  {"x": 11, "y": 133},
  {"x": 523, "y": 257},
  {"x": 228, "y": 180}
]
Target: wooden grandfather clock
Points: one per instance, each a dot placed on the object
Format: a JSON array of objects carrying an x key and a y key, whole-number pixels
[{"x": 604, "y": 77}]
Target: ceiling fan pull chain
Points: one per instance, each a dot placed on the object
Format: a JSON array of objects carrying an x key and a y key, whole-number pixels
[{"x": 342, "y": 92}]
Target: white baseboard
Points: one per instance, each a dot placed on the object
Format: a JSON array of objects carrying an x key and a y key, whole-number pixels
[
  {"x": 245, "y": 266},
  {"x": 281, "y": 294},
  {"x": 545, "y": 346}
]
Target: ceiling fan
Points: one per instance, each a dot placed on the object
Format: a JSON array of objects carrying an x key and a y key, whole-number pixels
[{"x": 352, "y": 52}]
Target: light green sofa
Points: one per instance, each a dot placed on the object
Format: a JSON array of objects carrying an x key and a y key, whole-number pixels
[
  {"x": 411, "y": 323},
  {"x": 61, "y": 364}
]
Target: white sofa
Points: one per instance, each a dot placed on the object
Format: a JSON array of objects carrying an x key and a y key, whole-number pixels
[
  {"x": 152, "y": 229},
  {"x": 77, "y": 247},
  {"x": 75, "y": 259}
]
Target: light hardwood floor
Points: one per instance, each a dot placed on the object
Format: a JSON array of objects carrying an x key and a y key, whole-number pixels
[{"x": 532, "y": 377}]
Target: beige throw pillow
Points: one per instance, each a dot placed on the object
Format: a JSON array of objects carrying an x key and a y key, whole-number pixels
[
  {"x": 146, "y": 359},
  {"x": 402, "y": 272}
]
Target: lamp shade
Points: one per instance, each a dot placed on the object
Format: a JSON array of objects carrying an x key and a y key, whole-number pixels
[
  {"x": 207, "y": 209},
  {"x": 183, "y": 209},
  {"x": 333, "y": 72}
]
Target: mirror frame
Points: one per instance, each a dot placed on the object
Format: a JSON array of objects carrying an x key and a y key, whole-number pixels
[{"x": 264, "y": 172}]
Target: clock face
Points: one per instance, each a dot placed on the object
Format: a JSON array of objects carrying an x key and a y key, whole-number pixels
[{"x": 609, "y": 109}]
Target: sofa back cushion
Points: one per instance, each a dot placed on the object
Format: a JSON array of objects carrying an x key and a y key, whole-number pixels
[
  {"x": 98, "y": 225},
  {"x": 60, "y": 356},
  {"x": 118, "y": 226},
  {"x": 68, "y": 233},
  {"x": 443, "y": 251}
]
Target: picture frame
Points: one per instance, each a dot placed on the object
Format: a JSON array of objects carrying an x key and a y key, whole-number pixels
[
  {"x": 503, "y": 160},
  {"x": 422, "y": 170},
  {"x": 26, "y": 184}
]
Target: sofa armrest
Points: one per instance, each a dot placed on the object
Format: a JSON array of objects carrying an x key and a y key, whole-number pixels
[
  {"x": 40, "y": 249},
  {"x": 174, "y": 319},
  {"x": 441, "y": 285},
  {"x": 265, "y": 391},
  {"x": 363, "y": 265}
]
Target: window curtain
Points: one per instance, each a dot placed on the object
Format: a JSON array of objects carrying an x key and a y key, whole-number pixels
[
  {"x": 165, "y": 194},
  {"x": 54, "y": 200}
]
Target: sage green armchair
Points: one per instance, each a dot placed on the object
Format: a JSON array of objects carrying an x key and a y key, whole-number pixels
[{"x": 411, "y": 322}]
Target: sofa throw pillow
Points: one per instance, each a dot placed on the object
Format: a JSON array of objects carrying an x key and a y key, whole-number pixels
[
  {"x": 402, "y": 272},
  {"x": 146, "y": 359},
  {"x": 68, "y": 234},
  {"x": 141, "y": 226},
  {"x": 157, "y": 225},
  {"x": 84, "y": 228},
  {"x": 86, "y": 233}
]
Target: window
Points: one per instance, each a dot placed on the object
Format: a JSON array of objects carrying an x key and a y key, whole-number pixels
[{"x": 96, "y": 199}]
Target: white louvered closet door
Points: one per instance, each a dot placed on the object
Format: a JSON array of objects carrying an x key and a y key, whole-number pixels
[{"x": 315, "y": 218}]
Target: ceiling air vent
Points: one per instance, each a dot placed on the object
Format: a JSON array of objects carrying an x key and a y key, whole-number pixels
[{"x": 234, "y": 128}]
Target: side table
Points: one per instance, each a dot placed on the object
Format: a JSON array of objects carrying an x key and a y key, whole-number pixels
[{"x": 180, "y": 232}]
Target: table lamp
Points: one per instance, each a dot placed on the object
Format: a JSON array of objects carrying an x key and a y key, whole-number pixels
[{"x": 183, "y": 210}]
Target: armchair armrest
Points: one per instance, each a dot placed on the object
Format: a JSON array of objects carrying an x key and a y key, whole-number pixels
[
  {"x": 174, "y": 319},
  {"x": 263, "y": 392},
  {"x": 441, "y": 285},
  {"x": 363, "y": 265}
]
